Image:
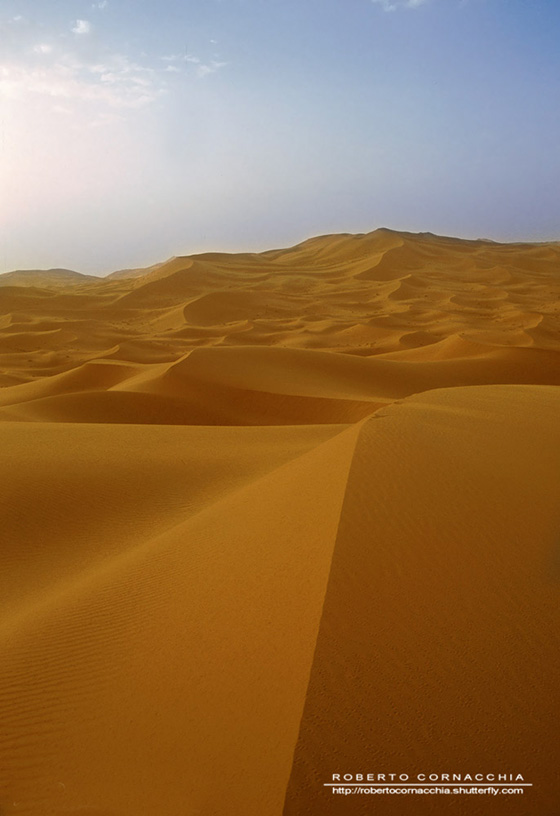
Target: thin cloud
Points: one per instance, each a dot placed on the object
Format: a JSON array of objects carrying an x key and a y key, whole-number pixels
[
  {"x": 181, "y": 58},
  {"x": 42, "y": 48},
  {"x": 202, "y": 69},
  {"x": 209, "y": 68},
  {"x": 101, "y": 5},
  {"x": 76, "y": 71},
  {"x": 393, "y": 5},
  {"x": 80, "y": 73},
  {"x": 117, "y": 83},
  {"x": 81, "y": 27}
]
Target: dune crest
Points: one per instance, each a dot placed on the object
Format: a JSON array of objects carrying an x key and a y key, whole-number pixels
[{"x": 273, "y": 516}]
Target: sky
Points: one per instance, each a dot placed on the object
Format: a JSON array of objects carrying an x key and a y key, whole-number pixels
[{"x": 135, "y": 130}]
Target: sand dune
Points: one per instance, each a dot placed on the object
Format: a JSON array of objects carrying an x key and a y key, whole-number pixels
[{"x": 271, "y": 517}]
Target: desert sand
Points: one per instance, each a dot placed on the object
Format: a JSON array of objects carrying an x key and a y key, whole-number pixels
[{"x": 272, "y": 517}]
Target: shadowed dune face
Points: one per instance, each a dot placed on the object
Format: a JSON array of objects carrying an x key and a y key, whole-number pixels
[{"x": 270, "y": 517}]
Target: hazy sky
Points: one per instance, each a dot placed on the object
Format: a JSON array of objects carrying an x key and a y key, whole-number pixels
[{"x": 133, "y": 130}]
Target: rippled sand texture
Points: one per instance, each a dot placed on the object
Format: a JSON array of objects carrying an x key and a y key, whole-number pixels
[{"x": 270, "y": 517}]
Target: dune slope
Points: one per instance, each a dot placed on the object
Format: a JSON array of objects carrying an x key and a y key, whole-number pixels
[{"x": 438, "y": 637}]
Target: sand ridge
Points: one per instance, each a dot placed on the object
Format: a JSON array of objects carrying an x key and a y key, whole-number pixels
[{"x": 271, "y": 516}]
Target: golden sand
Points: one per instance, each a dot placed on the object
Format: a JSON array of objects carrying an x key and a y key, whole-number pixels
[{"x": 272, "y": 517}]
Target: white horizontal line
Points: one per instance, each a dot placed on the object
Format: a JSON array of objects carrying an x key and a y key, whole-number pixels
[{"x": 424, "y": 784}]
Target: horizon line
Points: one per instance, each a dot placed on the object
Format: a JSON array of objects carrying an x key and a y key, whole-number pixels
[{"x": 315, "y": 236}]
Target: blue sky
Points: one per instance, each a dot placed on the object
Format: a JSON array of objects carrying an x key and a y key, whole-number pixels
[{"x": 133, "y": 131}]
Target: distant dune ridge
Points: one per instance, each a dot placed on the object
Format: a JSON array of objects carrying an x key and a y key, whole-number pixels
[
  {"x": 40, "y": 277},
  {"x": 270, "y": 517}
]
